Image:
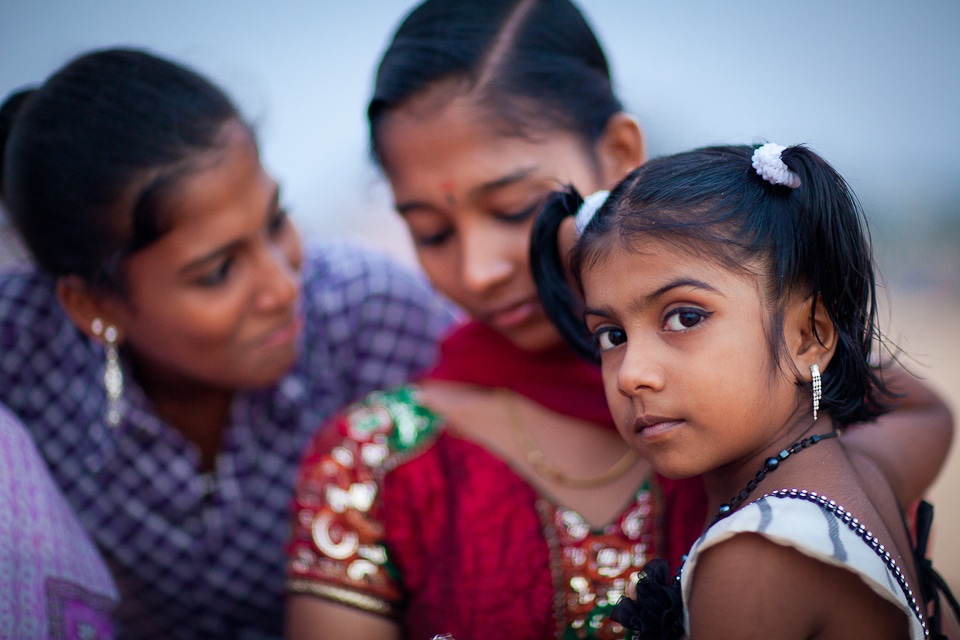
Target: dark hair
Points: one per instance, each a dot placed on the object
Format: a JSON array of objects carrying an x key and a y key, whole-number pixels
[
  {"x": 812, "y": 240},
  {"x": 532, "y": 64},
  {"x": 88, "y": 156}
]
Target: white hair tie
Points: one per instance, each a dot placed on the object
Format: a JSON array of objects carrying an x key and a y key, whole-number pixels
[
  {"x": 767, "y": 162},
  {"x": 588, "y": 209}
]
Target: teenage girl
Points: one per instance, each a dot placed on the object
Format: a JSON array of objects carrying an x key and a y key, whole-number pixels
[{"x": 729, "y": 293}]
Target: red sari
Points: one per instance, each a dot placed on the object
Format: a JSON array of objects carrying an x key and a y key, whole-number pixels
[{"x": 397, "y": 516}]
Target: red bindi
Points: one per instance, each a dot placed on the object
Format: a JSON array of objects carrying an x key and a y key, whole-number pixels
[{"x": 447, "y": 187}]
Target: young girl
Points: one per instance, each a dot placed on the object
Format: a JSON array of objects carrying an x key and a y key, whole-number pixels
[{"x": 730, "y": 294}]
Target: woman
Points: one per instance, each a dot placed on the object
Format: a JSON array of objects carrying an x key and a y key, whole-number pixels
[
  {"x": 494, "y": 498},
  {"x": 175, "y": 348}
]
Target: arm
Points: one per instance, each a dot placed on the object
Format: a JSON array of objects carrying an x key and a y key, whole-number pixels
[
  {"x": 311, "y": 618},
  {"x": 749, "y": 587},
  {"x": 912, "y": 441},
  {"x": 339, "y": 584}
]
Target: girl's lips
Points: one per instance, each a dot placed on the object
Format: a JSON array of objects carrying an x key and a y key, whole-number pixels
[
  {"x": 513, "y": 316},
  {"x": 285, "y": 334},
  {"x": 656, "y": 428}
]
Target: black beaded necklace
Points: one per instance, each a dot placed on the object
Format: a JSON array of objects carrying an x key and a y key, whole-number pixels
[
  {"x": 657, "y": 609},
  {"x": 770, "y": 464}
]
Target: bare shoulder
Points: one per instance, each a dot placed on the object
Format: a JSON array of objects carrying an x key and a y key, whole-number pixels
[{"x": 751, "y": 587}]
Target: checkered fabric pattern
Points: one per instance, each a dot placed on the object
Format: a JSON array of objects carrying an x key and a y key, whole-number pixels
[{"x": 202, "y": 555}]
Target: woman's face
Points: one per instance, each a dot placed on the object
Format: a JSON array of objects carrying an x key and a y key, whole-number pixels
[
  {"x": 469, "y": 195},
  {"x": 215, "y": 300}
]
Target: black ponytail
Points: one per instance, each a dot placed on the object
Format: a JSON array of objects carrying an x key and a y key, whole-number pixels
[
  {"x": 839, "y": 243},
  {"x": 561, "y": 304}
]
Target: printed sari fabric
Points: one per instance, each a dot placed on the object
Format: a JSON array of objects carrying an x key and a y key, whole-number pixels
[{"x": 53, "y": 582}]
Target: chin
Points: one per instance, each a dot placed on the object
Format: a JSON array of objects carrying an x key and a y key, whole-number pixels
[
  {"x": 537, "y": 337},
  {"x": 269, "y": 373},
  {"x": 673, "y": 469}
]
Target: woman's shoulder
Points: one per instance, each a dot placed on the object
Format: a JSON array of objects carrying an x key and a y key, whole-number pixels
[
  {"x": 348, "y": 289},
  {"x": 43, "y": 357},
  {"x": 376, "y": 431},
  {"x": 339, "y": 521},
  {"x": 26, "y": 297},
  {"x": 338, "y": 272}
]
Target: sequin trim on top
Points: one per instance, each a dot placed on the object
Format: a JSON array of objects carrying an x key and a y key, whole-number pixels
[
  {"x": 861, "y": 531},
  {"x": 592, "y": 568},
  {"x": 384, "y": 430}
]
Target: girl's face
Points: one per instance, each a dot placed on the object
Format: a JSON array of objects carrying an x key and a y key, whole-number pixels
[
  {"x": 215, "y": 301},
  {"x": 687, "y": 367},
  {"x": 469, "y": 195}
]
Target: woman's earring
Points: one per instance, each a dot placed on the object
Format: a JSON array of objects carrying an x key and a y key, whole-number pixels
[
  {"x": 112, "y": 374},
  {"x": 817, "y": 389}
]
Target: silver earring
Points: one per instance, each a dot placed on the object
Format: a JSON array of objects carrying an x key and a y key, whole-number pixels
[
  {"x": 112, "y": 374},
  {"x": 817, "y": 389}
]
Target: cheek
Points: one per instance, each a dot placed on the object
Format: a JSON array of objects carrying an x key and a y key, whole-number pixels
[
  {"x": 191, "y": 325},
  {"x": 292, "y": 247},
  {"x": 441, "y": 265}
]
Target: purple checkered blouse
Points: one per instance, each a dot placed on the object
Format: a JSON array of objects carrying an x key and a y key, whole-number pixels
[{"x": 198, "y": 555}]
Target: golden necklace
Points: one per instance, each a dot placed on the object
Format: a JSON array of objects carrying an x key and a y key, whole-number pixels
[{"x": 545, "y": 468}]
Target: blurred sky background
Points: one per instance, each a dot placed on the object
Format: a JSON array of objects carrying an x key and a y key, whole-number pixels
[{"x": 873, "y": 85}]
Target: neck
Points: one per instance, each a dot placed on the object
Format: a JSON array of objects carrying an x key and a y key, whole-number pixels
[
  {"x": 199, "y": 412},
  {"x": 725, "y": 482}
]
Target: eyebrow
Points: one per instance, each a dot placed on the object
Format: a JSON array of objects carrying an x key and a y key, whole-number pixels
[
  {"x": 507, "y": 180},
  {"x": 196, "y": 263},
  {"x": 651, "y": 297}
]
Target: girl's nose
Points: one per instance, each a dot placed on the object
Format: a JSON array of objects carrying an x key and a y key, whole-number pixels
[
  {"x": 486, "y": 257},
  {"x": 639, "y": 370},
  {"x": 280, "y": 277}
]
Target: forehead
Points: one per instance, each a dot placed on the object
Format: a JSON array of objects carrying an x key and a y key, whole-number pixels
[
  {"x": 626, "y": 269},
  {"x": 213, "y": 199},
  {"x": 431, "y": 136},
  {"x": 212, "y": 175}
]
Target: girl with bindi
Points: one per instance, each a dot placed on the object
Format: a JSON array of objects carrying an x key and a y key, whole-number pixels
[
  {"x": 729, "y": 294},
  {"x": 494, "y": 497}
]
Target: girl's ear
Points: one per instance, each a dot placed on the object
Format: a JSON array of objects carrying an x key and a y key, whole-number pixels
[
  {"x": 621, "y": 149},
  {"x": 83, "y": 306},
  {"x": 811, "y": 339}
]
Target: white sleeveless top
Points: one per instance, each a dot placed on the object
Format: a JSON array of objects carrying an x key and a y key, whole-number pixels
[{"x": 817, "y": 527}]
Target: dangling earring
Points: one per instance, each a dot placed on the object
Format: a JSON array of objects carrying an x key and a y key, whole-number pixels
[
  {"x": 817, "y": 389},
  {"x": 112, "y": 374}
]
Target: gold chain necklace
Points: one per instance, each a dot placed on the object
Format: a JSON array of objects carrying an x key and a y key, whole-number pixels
[{"x": 545, "y": 468}]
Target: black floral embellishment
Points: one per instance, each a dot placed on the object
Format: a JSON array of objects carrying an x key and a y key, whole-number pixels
[{"x": 657, "y": 611}]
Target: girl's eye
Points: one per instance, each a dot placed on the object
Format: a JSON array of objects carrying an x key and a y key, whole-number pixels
[
  {"x": 218, "y": 275},
  {"x": 684, "y": 318},
  {"x": 432, "y": 240},
  {"x": 520, "y": 216},
  {"x": 278, "y": 221},
  {"x": 609, "y": 337}
]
